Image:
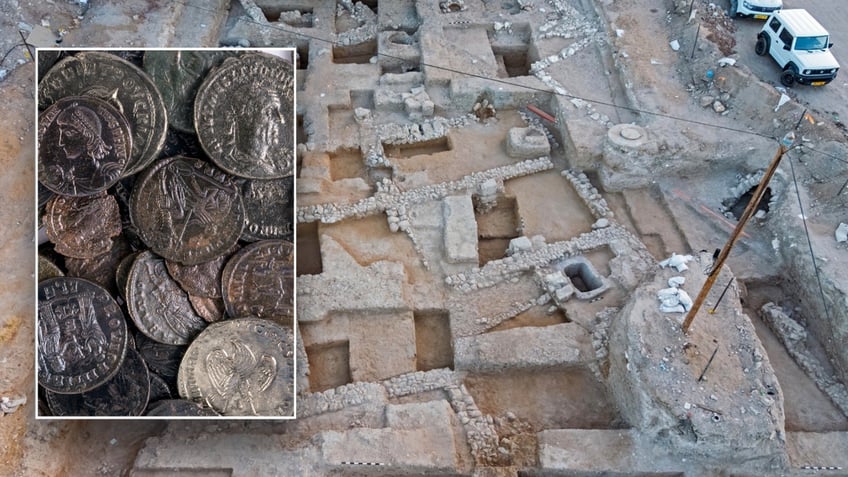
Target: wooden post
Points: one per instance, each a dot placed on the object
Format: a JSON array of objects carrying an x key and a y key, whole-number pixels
[{"x": 749, "y": 211}]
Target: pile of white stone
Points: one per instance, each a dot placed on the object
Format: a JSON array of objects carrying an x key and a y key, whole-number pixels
[{"x": 674, "y": 299}]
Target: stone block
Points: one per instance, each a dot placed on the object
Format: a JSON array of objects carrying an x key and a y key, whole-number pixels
[
  {"x": 488, "y": 188},
  {"x": 460, "y": 233},
  {"x": 418, "y": 414},
  {"x": 540, "y": 347},
  {"x": 612, "y": 451},
  {"x": 519, "y": 244},
  {"x": 429, "y": 449},
  {"x": 526, "y": 143},
  {"x": 842, "y": 233}
]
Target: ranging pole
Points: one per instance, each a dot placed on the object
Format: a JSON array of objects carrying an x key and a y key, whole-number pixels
[{"x": 785, "y": 143}]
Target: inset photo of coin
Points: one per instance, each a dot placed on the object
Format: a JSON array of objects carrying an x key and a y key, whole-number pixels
[{"x": 165, "y": 284}]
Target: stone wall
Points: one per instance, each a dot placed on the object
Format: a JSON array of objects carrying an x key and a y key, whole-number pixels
[
  {"x": 393, "y": 198},
  {"x": 496, "y": 271}
]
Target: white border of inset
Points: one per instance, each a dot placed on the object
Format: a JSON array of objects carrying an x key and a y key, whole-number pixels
[{"x": 286, "y": 53}]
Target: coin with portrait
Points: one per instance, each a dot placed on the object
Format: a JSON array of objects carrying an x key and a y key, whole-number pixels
[
  {"x": 84, "y": 145},
  {"x": 244, "y": 116},
  {"x": 124, "y": 86}
]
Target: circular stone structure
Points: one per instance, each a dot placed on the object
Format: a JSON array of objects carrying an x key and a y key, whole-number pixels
[{"x": 629, "y": 136}]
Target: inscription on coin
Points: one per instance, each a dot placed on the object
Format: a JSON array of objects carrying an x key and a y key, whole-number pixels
[
  {"x": 244, "y": 116},
  {"x": 259, "y": 281},
  {"x": 268, "y": 211},
  {"x": 124, "y": 85},
  {"x": 241, "y": 367},
  {"x": 187, "y": 210},
  {"x": 82, "y": 335},
  {"x": 126, "y": 394},
  {"x": 84, "y": 144}
]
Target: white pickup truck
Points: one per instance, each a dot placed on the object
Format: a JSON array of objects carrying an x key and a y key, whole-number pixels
[{"x": 800, "y": 45}]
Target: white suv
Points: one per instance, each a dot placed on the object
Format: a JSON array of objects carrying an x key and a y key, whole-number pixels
[
  {"x": 759, "y": 9},
  {"x": 800, "y": 45}
]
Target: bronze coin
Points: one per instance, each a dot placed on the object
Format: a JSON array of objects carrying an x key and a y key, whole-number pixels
[
  {"x": 82, "y": 335},
  {"x": 83, "y": 227},
  {"x": 126, "y": 394},
  {"x": 157, "y": 305},
  {"x": 210, "y": 309},
  {"x": 84, "y": 145},
  {"x": 241, "y": 367},
  {"x": 177, "y": 75},
  {"x": 259, "y": 281},
  {"x": 47, "y": 269},
  {"x": 122, "y": 84},
  {"x": 187, "y": 210},
  {"x": 101, "y": 269},
  {"x": 203, "y": 279},
  {"x": 268, "y": 209},
  {"x": 244, "y": 116}
]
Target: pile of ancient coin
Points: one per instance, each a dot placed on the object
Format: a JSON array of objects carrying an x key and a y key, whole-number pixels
[{"x": 165, "y": 281}]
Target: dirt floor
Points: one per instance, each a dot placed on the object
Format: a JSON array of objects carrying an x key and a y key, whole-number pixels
[{"x": 807, "y": 407}]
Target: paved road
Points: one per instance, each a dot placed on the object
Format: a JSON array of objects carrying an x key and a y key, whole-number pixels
[{"x": 833, "y": 15}]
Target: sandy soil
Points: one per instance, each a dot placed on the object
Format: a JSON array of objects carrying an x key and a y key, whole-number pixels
[{"x": 546, "y": 203}]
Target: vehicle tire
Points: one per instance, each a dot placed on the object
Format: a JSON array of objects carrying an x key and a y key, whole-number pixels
[
  {"x": 762, "y": 46},
  {"x": 787, "y": 78}
]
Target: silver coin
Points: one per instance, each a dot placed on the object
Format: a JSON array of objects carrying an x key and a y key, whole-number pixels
[
  {"x": 158, "y": 306},
  {"x": 244, "y": 116},
  {"x": 241, "y": 367},
  {"x": 121, "y": 84},
  {"x": 82, "y": 335},
  {"x": 259, "y": 281},
  {"x": 84, "y": 146},
  {"x": 125, "y": 394},
  {"x": 187, "y": 210},
  {"x": 268, "y": 209}
]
